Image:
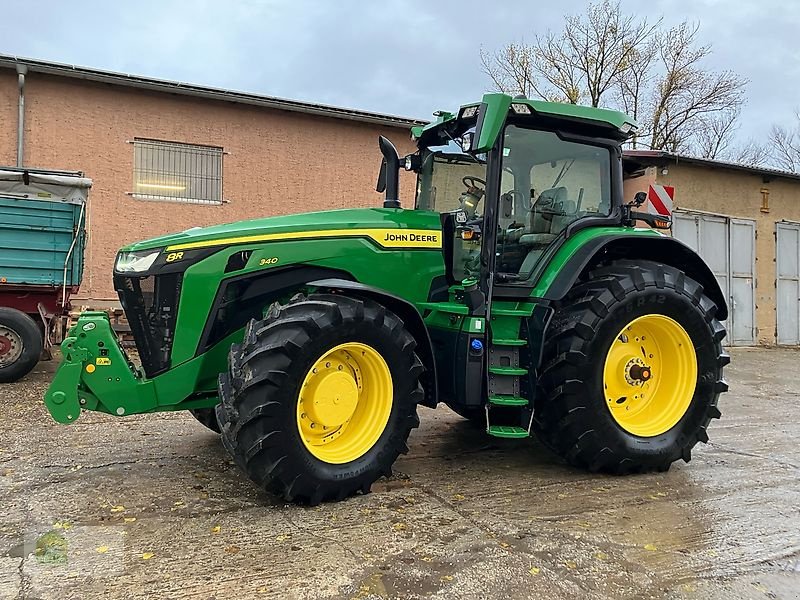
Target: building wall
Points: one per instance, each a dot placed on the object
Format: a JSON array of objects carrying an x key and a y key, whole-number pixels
[
  {"x": 8, "y": 117},
  {"x": 278, "y": 162},
  {"x": 736, "y": 194}
]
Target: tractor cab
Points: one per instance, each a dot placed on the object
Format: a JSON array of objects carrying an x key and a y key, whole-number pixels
[
  {"x": 547, "y": 184},
  {"x": 512, "y": 186},
  {"x": 529, "y": 195}
]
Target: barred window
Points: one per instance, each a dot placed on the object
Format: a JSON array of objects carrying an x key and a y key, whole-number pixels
[{"x": 177, "y": 172}]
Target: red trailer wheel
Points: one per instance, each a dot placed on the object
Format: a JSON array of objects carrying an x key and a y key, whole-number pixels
[{"x": 20, "y": 344}]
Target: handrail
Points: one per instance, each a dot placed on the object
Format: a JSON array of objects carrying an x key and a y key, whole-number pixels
[{"x": 69, "y": 254}]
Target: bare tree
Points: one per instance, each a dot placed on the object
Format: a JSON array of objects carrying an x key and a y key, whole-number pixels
[
  {"x": 603, "y": 57},
  {"x": 602, "y": 45},
  {"x": 511, "y": 69},
  {"x": 515, "y": 70},
  {"x": 751, "y": 153},
  {"x": 633, "y": 81},
  {"x": 785, "y": 146},
  {"x": 583, "y": 61},
  {"x": 714, "y": 139},
  {"x": 685, "y": 95}
]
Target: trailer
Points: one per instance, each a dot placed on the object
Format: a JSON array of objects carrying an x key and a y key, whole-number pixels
[{"x": 42, "y": 239}]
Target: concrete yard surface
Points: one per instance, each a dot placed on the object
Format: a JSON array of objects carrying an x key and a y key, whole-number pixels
[{"x": 151, "y": 507}]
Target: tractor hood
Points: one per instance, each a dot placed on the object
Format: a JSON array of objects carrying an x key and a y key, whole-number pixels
[{"x": 256, "y": 230}]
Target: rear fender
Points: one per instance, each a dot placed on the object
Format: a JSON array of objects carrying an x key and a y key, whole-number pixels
[
  {"x": 662, "y": 249},
  {"x": 411, "y": 318}
]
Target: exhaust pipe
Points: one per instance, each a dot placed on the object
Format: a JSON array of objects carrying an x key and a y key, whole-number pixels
[{"x": 389, "y": 177}]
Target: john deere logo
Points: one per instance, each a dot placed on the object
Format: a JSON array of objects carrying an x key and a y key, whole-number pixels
[
  {"x": 88, "y": 326},
  {"x": 410, "y": 237}
]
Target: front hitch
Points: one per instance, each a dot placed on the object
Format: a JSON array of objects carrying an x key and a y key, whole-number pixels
[{"x": 96, "y": 374}]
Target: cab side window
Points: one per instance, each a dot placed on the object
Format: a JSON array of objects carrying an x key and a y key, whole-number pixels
[{"x": 547, "y": 184}]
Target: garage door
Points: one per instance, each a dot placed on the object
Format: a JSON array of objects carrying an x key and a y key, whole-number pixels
[
  {"x": 788, "y": 284},
  {"x": 728, "y": 247}
]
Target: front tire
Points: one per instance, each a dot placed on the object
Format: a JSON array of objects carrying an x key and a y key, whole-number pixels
[
  {"x": 320, "y": 397},
  {"x": 632, "y": 370}
]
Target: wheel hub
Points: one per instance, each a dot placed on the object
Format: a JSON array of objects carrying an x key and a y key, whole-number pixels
[
  {"x": 344, "y": 403},
  {"x": 10, "y": 345},
  {"x": 639, "y": 373},
  {"x": 333, "y": 396},
  {"x": 640, "y": 398},
  {"x": 636, "y": 372}
]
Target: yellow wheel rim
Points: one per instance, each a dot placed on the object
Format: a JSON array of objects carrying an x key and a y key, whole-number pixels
[
  {"x": 650, "y": 375},
  {"x": 344, "y": 403}
]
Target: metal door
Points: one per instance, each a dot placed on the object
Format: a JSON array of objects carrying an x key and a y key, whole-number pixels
[
  {"x": 728, "y": 247},
  {"x": 787, "y": 239},
  {"x": 742, "y": 236}
]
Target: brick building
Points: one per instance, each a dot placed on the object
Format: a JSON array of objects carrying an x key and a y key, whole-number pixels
[{"x": 247, "y": 155}]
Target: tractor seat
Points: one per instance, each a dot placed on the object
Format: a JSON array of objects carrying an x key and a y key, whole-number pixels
[{"x": 551, "y": 212}]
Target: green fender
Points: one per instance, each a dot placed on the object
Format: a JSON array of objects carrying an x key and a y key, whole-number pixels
[{"x": 588, "y": 247}]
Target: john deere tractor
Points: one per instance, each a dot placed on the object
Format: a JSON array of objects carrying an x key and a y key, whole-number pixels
[{"x": 518, "y": 290}]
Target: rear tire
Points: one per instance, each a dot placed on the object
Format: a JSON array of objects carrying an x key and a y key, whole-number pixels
[
  {"x": 20, "y": 344},
  {"x": 261, "y": 396},
  {"x": 573, "y": 416}
]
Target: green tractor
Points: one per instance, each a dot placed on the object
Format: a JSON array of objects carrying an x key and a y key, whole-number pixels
[{"x": 518, "y": 291}]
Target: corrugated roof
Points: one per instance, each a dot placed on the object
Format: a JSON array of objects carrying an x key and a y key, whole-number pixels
[
  {"x": 661, "y": 158},
  {"x": 189, "y": 89}
]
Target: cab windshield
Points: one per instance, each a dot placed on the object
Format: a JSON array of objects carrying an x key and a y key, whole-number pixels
[
  {"x": 446, "y": 173},
  {"x": 451, "y": 180}
]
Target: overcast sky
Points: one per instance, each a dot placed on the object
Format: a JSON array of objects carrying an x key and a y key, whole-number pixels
[{"x": 404, "y": 57}]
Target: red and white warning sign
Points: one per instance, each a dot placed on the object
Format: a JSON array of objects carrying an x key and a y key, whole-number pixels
[{"x": 659, "y": 200}]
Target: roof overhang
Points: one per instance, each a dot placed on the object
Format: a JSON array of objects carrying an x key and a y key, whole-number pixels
[
  {"x": 636, "y": 160},
  {"x": 199, "y": 91}
]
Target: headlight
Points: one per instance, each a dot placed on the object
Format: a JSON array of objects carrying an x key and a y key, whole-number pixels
[{"x": 136, "y": 262}]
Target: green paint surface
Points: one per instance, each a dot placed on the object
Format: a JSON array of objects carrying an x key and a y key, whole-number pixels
[{"x": 573, "y": 244}]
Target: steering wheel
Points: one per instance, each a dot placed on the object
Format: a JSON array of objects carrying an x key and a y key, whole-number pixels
[
  {"x": 471, "y": 182},
  {"x": 471, "y": 197}
]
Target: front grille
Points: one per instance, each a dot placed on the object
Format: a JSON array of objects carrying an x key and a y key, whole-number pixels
[{"x": 151, "y": 307}]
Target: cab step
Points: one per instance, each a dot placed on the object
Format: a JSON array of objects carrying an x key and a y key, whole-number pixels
[
  {"x": 508, "y": 342},
  {"x": 506, "y": 400},
  {"x": 512, "y": 371},
  {"x": 507, "y": 431}
]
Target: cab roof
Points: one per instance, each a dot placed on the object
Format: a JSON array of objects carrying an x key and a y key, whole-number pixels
[{"x": 618, "y": 125}]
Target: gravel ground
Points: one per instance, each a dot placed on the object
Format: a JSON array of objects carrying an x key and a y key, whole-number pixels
[{"x": 151, "y": 507}]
